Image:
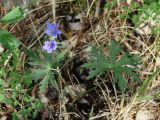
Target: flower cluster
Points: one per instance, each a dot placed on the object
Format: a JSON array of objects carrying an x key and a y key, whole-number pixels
[{"x": 51, "y": 30}]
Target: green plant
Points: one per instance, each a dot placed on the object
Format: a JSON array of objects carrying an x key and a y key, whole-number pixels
[
  {"x": 10, "y": 43},
  {"x": 13, "y": 16},
  {"x": 124, "y": 65},
  {"x": 45, "y": 65},
  {"x": 139, "y": 14},
  {"x": 8, "y": 40},
  {"x": 110, "y": 5},
  {"x": 15, "y": 85},
  {"x": 17, "y": 93},
  {"x": 146, "y": 12}
]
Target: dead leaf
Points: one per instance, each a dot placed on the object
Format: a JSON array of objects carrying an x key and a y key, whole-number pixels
[
  {"x": 158, "y": 61},
  {"x": 71, "y": 42},
  {"x": 144, "y": 115},
  {"x": 129, "y": 1},
  {"x": 44, "y": 99},
  {"x": 75, "y": 90},
  {"x": 34, "y": 92},
  {"x": 1, "y": 49},
  {"x": 3, "y": 117},
  {"x": 8, "y": 60},
  {"x": 75, "y": 26}
]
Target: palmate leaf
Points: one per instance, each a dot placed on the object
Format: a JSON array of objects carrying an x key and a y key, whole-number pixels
[
  {"x": 127, "y": 65},
  {"x": 94, "y": 73},
  {"x": 97, "y": 64},
  {"x": 44, "y": 83},
  {"x": 126, "y": 59},
  {"x": 42, "y": 70},
  {"x": 53, "y": 82},
  {"x": 123, "y": 61},
  {"x": 118, "y": 73},
  {"x": 114, "y": 50},
  {"x": 36, "y": 58},
  {"x": 130, "y": 72},
  {"x": 124, "y": 66},
  {"x": 121, "y": 81},
  {"x": 49, "y": 77},
  {"x": 38, "y": 73},
  {"x": 44, "y": 64},
  {"x": 59, "y": 57}
]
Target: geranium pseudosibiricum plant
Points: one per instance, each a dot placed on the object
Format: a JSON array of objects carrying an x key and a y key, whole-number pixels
[
  {"x": 46, "y": 65},
  {"x": 51, "y": 30}
]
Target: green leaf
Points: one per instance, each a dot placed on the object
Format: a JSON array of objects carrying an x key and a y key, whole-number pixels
[
  {"x": 27, "y": 79},
  {"x": 98, "y": 63},
  {"x": 44, "y": 83},
  {"x": 44, "y": 64},
  {"x": 4, "y": 99},
  {"x": 53, "y": 82},
  {"x": 131, "y": 73},
  {"x": 125, "y": 66},
  {"x": 13, "y": 16},
  {"x": 121, "y": 80},
  {"x": 148, "y": 81},
  {"x": 16, "y": 79},
  {"x": 38, "y": 73},
  {"x": 94, "y": 73},
  {"x": 8, "y": 40},
  {"x": 14, "y": 116},
  {"x": 123, "y": 61},
  {"x": 113, "y": 51},
  {"x": 59, "y": 57},
  {"x": 146, "y": 98},
  {"x": 1, "y": 82},
  {"x": 36, "y": 58},
  {"x": 34, "y": 115},
  {"x": 11, "y": 43}
]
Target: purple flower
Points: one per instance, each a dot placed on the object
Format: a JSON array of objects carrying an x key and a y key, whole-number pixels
[
  {"x": 52, "y": 30},
  {"x": 49, "y": 46}
]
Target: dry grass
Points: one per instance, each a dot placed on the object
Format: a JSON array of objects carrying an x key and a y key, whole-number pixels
[{"x": 103, "y": 31}]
